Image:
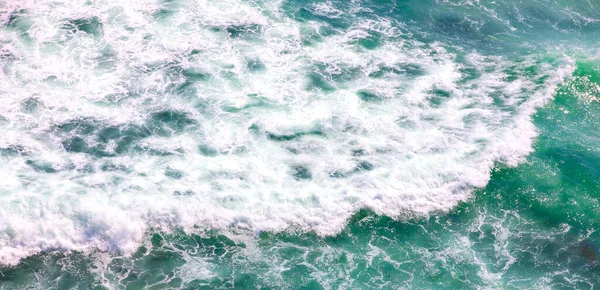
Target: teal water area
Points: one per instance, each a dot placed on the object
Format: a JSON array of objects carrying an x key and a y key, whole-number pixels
[{"x": 533, "y": 226}]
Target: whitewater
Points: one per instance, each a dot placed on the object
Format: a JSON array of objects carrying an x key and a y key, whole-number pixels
[
  {"x": 220, "y": 116},
  {"x": 122, "y": 119}
]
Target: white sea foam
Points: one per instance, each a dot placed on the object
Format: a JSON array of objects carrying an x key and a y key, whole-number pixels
[{"x": 280, "y": 134}]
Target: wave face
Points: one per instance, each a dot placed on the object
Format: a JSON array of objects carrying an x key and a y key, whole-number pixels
[{"x": 123, "y": 119}]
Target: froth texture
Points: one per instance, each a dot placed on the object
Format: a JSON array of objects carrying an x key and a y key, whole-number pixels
[{"x": 121, "y": 118}]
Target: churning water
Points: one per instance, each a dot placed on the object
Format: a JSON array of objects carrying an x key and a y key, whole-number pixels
[{"x": 299, "y": 144}]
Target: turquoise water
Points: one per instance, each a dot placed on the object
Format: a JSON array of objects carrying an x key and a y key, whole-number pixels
[{"x": 299, "y": 145}]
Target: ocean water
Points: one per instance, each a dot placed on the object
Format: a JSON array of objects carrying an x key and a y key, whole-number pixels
[{"x": 294, "y": 144}]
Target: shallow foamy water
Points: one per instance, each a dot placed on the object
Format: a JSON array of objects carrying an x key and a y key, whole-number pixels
[{"x": 127, "y": 125}]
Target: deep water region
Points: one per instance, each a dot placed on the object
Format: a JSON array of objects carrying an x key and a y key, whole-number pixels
[{"x": 199, "y": 144}]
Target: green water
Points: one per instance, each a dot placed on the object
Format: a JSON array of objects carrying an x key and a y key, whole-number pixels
[{"x": 531, "y": 226}]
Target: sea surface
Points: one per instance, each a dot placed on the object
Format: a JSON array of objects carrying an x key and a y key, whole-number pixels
[{"x": 295, "y": 144}]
